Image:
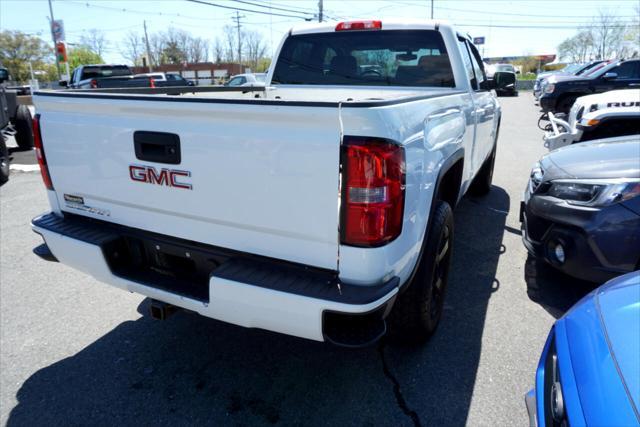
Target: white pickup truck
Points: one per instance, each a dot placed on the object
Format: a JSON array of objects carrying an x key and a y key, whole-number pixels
[{"x": 319, "y": 206}]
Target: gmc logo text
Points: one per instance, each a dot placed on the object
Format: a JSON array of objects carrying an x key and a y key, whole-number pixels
[{"x": 168, "y": 177}]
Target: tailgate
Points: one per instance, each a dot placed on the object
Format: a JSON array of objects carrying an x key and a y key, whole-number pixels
[{"x": 264, "y": 178}]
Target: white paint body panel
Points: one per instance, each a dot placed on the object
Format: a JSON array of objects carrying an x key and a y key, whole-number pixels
[{"x": 265, "y": 179}]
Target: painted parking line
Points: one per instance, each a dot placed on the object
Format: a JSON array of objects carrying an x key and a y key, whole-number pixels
[{"x": 24, "y": 168}]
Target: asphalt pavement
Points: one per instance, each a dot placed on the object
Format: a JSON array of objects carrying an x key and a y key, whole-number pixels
[{"x": 75, "y": 351}]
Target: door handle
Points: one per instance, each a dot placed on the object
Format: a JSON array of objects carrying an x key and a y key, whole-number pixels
[{"x": 158, "y": 147}]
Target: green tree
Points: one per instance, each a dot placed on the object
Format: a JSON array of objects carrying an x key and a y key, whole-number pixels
[
  {"x": 82, "y": 55},
  {"x": 18, "y": 49}
]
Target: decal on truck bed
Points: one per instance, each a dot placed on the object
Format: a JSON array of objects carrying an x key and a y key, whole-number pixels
[{"x": 168, "y": 177}]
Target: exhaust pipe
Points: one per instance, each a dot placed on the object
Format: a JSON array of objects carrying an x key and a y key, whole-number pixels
[{"x": 161, "y": 310}]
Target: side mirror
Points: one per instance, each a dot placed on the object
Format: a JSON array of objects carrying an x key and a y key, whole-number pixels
[
  {"x": 63, "y": 83},
  {"x": 610, "y": 76},
  {"x": 4, "y": 75},
  {"x": 503, "y": 80}
]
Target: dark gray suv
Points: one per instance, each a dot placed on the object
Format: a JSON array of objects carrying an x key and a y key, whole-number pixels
[{"x": 581, "y": 209}]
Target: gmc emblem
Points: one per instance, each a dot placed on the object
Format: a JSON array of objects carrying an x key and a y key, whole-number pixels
[{"x": 168, "y": 177}]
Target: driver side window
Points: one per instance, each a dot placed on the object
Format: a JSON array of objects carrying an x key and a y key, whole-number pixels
[
  {"x": 477, "y": 68},
  {"x": 237, "y": 81},
  {"x": 627, "y": 70}
]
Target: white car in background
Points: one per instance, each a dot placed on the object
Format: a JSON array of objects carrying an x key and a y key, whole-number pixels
[{"x": 249, "y": 79}]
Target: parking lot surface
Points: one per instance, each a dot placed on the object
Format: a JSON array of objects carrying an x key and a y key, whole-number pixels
[{"x": 75, "y": 351}]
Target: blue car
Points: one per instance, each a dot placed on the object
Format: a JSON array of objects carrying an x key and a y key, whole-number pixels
[{"x": 589, "y": 371}]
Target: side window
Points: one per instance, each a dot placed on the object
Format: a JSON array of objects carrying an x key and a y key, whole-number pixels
[
  {"x": 628, "y": 70},
  {"x": 477, "y": 68},
  {"x": 237, "y": 81},
  {"x": 468, "y": 66}
]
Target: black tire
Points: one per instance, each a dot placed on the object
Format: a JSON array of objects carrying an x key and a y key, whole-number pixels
[
  {"x": 4, "y": 161},
  {"x": 417, "y": 311},
  {"x": 481, "y": 184},
  {"x": 24, "y": 127}
]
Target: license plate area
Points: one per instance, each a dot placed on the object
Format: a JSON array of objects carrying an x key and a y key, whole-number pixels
[{"x": 163, "y": 265}]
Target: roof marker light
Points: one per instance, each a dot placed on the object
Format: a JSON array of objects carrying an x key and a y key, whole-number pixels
[{"x": 359, "y": 25}]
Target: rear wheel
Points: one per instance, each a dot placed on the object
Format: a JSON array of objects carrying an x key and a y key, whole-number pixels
[
  {"x": 24, "y": 128},
  {"x": 417, "y": 311},
  {"x": 4, "y": 161}
]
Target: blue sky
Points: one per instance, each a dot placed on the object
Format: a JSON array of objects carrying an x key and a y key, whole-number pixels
[{"x": 506, "y": 24}]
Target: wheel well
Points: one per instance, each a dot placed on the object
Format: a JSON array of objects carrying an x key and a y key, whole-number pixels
[{"x": 449, "y": 185}]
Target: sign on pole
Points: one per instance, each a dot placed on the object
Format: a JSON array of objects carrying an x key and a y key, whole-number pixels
[
  {"x": 478, "y": 40},
  {"x": 57, "y": 29}
]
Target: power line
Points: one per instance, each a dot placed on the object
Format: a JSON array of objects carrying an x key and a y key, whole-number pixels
[
  {"x": 245, "y": 10},
  {"x": 146, "y": 13},
  {"x": 525, "y": 15},
  {"x": 270, "y": 7},
  {"x": 553, "y": 27}
]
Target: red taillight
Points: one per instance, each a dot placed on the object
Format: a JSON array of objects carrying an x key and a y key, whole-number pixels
[
  {"x": 42, "y": 160},
  {"x": 152, "y": 83},
  {"x": 373, "y": 177},
  {"x": 359, "y": 25},
  {"x": 93, "y": 84}
]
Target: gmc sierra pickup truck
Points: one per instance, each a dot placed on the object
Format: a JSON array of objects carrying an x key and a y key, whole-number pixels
[{"x": 319, "y": 206}]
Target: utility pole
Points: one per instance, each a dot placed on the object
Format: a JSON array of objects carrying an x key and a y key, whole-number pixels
[
  {"x": 53, "y": 37},
  {"x": 319, "y": 10},
  {"x": 146, "y": 40},
  {"x": 237, "y": 19},
  {"x": 432, "y": 8}
]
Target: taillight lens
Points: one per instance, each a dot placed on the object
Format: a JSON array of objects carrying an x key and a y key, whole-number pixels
[
  {"x": 42, "y": 160},
  {"x": 373, "y": 183},
  {"x": 359, "y": 25},
  {"x": 94, "y": 84}
]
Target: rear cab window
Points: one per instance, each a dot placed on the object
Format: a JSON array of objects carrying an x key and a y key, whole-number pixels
[
  {"x": 368, "y": 58},
  {"x": 97, "y": 72}
]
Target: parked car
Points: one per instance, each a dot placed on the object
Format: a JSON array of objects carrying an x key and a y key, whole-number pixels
[
  {"x": 589, "y": 371},
  {"x": 581, "y": 210},
  {"x": 571, "y": 69},
  {"x": 604, "y": 115},
  {"x": 15, "y": 120},
  {"x": 307, "y": 209},
  {"x": 165, "y": 80},
  {"x": 99, "y": 76},
  {"x": 249, "y": 79},
  {"x": 560, "y": 92}
]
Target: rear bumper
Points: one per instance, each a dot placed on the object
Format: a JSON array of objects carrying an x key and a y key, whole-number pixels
[{"x": 241, "y": 289}]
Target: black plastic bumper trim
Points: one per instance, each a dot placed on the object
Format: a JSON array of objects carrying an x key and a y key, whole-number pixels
[{"x": 255, "y": 270}]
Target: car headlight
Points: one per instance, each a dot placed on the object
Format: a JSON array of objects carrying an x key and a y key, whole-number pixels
[
  {"x": 594, "y": 192},
  {"x": 549, "y": 88}
]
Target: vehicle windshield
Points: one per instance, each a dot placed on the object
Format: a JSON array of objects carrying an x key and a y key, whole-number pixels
[
  {"x": 105, "y": 71},
  {"x": 595, "y": 71},
  {"x": 371, "y": 58},
  {"x": 572, "y": 68},
  {"x": 588, "y": 68}
]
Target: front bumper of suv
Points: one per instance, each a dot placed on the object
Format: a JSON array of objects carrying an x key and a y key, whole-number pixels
[
  {"x": 242, "y": 289},
  {"x": 597, "y": 244}
]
